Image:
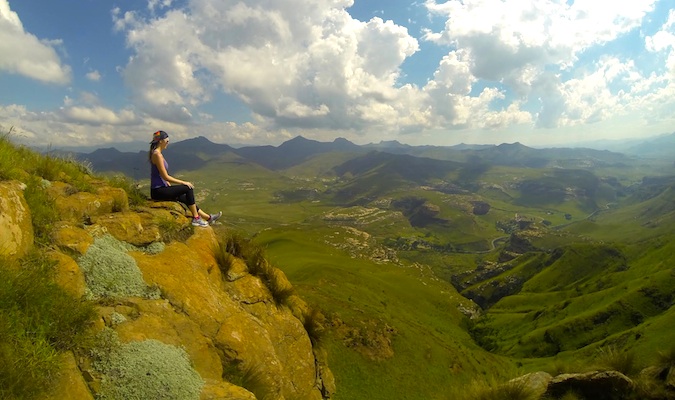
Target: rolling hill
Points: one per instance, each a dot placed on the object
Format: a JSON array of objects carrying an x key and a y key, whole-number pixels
[{"x": 418, "y": 254}]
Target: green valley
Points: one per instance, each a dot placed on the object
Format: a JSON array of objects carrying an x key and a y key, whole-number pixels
[{"x": 438, "y": 267}]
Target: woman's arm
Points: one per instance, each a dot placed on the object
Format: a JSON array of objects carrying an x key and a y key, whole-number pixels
[{"x": 158, "y": 160}]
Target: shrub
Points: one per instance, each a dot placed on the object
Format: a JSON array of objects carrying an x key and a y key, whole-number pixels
[
  {"x": 147, "y": 369},
  {"x": 110, "y": 272},
  {"x": 37, "y": 319}
]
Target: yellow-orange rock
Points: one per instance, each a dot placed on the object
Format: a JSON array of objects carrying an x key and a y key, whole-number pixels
[
  {"x": 68, "y": 274},
  {"x": 68, "y": 236},
  {"x": 157, "y": 319},
  {"x": 127, "y": 227},
  {"x": 189, "y": 278},
  {"x": 16, "y": 229},
  {"x": 82, "y": 206},
  {"x": 119, "y": 196},
  {"x": 241, "y": 318},
  {"x": 220, "y": 390},
  {"x": 69, "y": 383}
]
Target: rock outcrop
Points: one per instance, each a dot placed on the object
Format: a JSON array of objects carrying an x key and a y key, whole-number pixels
[
  {"x": 600, "y": 385},
  {"x": 240, "y": 341},
  {"x": 16, "y": 230}
]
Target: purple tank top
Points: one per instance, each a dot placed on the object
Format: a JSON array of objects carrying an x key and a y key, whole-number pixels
[{"x": 156, "y": 180}]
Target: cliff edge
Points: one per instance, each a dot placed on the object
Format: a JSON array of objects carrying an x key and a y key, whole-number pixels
[{"x": 172, "y": 322}]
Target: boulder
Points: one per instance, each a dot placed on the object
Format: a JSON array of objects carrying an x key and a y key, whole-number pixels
[
  {"x": 536, "y": 382},
  {"x": 237, "y": 270},
  {"x": 596, "y": 385},
  {"x": 16, "y": 228},
  {"x": 219, "y": 390},
  {"x": 68, "y": 274},
  {"x": 69, "y": 384},
  {"x": 127, "y": 227},
  {"x": 82, "y": 206},
  {"x": 119, "y": 196},
  {"x": 69, "y": 237}
]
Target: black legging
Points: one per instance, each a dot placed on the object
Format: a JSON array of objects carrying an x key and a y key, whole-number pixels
[{"x": 182, "y": 193}]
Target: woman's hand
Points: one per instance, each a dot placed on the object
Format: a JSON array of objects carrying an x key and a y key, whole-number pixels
[{"x": 189, "y": 184}]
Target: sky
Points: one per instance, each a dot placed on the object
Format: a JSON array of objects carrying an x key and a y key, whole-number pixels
[{"x": 255, "y": 72}]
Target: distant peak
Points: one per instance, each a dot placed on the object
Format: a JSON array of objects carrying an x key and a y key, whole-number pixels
[{"x": 198, "y": 139}]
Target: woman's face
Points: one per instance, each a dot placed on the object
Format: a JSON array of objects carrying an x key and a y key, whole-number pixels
[{"x": 164, "y": 143}]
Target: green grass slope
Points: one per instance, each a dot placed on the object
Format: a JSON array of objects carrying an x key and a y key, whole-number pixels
[
  {"x": 614, "y": 285},
  {"x": 382, "y": 307}
]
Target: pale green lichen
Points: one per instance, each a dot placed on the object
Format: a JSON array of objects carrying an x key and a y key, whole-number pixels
[
  {"x": 144, "y": 370},
  {"x": 117, "y": 318},
  {"x": 154, "y": 248},
  {"x": 110, "y": 272}
]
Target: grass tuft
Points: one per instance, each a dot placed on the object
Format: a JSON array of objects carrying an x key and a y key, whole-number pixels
[
  {"x": 512, "y": 390},
  {"x": 253, "y": 378},
  {"x": 42, "y": 209},
  {"x": 280, "y": 288},
  {"x": 223, "y": 258},
  {"x": 173, "y": 231},
  {"x": 666, "y": 358},
  {"x": 611, "y": 358},
  {"x": 315, "y": 325},
  {"x": 236, "y": 245}
]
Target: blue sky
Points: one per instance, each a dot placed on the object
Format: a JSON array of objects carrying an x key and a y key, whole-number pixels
[{"x": 541, "y": 72}]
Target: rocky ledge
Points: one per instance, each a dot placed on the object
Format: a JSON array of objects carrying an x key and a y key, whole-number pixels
[{"x": 167, "y": 313}]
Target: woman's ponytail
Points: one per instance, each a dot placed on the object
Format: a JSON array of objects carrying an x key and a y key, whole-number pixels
[{"x": 153, "y": 146}]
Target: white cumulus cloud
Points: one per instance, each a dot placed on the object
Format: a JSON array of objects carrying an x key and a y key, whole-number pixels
[
  {"x": 25, "y": 54},
  {"x": 316, "y": 68}
]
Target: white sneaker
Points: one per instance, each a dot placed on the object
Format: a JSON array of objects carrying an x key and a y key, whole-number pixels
[
  {"x": 214, "y": 217},
  {"x": 199, "y": 222}
]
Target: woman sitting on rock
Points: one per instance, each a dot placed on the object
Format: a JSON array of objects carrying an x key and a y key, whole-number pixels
[{"x": 160, "y": 183}]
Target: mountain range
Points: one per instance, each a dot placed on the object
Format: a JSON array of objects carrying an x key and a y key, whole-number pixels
[{"x": 193, "y": 154}]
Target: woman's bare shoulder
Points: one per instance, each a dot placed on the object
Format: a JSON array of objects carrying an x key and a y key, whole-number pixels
[{"x": 156, "y": 156}]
